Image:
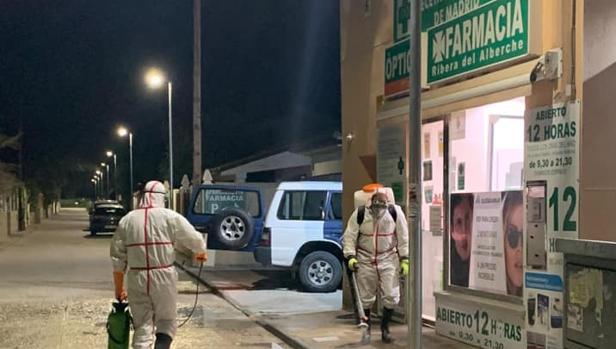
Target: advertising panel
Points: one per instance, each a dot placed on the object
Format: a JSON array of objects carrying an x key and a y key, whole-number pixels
[
  {"x": 486, "y": 236},
  {"x": 479, "y": 325},
  {"x": 552, "y": 174}
]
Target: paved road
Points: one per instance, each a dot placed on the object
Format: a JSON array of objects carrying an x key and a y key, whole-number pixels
[
  {"x": 56, "y": 289},
  {"x": 269, "y": 292}
]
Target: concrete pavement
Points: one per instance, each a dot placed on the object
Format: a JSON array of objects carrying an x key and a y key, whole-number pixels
[
  {"x": 303, "y": 320},
  {"x": 56, "y": 292}
]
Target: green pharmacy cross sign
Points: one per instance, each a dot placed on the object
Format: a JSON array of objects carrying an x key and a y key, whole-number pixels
[
  {"x": 402, "y": 15},
  {"x": 467, "y": 41}
]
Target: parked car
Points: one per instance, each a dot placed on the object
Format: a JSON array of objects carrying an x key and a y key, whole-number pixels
[
  {"x": 303, "y": 232},
  {"x": 231, "y": 215},
  {"x": 105, "y": 216}
]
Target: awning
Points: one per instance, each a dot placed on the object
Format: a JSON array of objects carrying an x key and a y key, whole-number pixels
[{"x": 498, "y": 86}]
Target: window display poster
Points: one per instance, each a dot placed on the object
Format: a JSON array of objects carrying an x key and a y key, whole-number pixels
[
  {"x": 486, "y": 235},
  {"x": 551, "y": 157},
  {"x": 426, "y": 145},
  {"x": 390, "y": 160},
  {"x": 461, "y": 175}
]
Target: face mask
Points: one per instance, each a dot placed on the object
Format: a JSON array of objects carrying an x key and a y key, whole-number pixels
[{"x": 378, "y": 207}]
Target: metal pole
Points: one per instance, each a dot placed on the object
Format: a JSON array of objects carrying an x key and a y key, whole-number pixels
[
  {"x": 115, "y": 174},
  {"x": 197, "y": 147},
  {"x": 170, "y": 89},
  {"x": 130, "y": 190},
  {"x": 414, "y": 289},
  {"x": 102, "y": 188},
  {"x": 108, "y": 181}
]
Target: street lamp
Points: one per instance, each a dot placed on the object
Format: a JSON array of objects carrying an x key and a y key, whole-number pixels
[
  {"x": 155, "y": 78},
  {"x": 94, "y": 184},
  {"x": 115, "y": 170},
  {"x": 123, "y": 132},
  {"x": 102, "y": 180},
  {"x": 108, "y": 179}
]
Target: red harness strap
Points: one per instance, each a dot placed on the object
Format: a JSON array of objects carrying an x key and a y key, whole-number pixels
[
  {"x": 147, "y": 256},
  {"x": 153, "y": 243},
  {"x": 154, "y": 267}
]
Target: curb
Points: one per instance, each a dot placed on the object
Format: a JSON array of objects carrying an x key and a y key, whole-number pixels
[
  {"x": 259, "y": 320},
  {"x": 287, "y": 338}
]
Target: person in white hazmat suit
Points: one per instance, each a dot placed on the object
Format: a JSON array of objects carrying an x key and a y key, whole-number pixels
[
  {"x": 375, "y": 238},
  {"x": 143, "y": 246}
]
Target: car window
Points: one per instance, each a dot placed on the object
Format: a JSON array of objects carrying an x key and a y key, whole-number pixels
[
  {"x": 302, "y": 205},
  {"x": 211, "y": 201},
  {"x": 109, "y": 210},
  {"x": 337, "y": 205}
]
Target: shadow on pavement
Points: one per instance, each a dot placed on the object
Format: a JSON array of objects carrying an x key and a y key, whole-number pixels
[
  {"x": 101, "y": 236},
  {"x": 275, "y": 279}
]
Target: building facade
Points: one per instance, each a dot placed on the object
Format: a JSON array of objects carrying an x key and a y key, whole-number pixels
[{"x": 502, "y": 175}]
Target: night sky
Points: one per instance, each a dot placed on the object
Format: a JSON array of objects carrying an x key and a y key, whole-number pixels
[{"x": 72, "y": 71}]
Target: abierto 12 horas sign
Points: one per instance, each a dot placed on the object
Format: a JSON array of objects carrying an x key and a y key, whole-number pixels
[{"x": 471, "y": 35}]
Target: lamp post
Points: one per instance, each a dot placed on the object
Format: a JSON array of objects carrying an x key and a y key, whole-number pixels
[
  {"x": 106, "y": 166},
  {"x": 154, "y": 78},
  {"x": 102, "y": 181},
  {"x": 115, "y": 170},
  {"x": 414, "y": 286},
  {"x": 94, "y": 186},
  {"x": 97, "y": 186},
  {"x": 123, "y": 132}
]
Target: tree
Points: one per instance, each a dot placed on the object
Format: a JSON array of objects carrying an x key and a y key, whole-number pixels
[{"x": 9, "y": 179}]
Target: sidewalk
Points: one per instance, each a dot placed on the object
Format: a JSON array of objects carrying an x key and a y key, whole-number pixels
[
  {"x": 337, "y": 330},
  {"x": 324, "y": 329},
  {"x": 16, "y": 237}
]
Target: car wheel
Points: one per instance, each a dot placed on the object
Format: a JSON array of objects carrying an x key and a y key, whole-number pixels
[
  {"x": 93, "y": 232},
  {"x": 233, "y": 228},
  {"x": 320, "y": 271}
]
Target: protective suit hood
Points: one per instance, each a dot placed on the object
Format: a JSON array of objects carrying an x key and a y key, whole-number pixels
[{"x": 153, "y": 195}]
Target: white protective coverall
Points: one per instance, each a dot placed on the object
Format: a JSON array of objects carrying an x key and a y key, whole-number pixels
[
  {"x": 377, "y": 244},
  {"x": 144, "y": 242}
]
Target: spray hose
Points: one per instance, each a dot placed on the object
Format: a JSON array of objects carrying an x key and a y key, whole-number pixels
[{"x": 196, "y": 299}]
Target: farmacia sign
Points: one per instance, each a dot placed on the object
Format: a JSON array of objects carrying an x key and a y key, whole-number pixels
[{"x": 469, "y": 35}]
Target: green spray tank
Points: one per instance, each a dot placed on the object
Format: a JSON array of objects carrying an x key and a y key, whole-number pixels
[{"x": 118, "y": 326}]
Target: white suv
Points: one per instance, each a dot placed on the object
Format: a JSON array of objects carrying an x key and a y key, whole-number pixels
[{"x": 303, "y": 231}]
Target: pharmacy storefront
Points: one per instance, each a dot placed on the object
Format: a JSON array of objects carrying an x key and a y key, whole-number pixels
[{"x": 499, "y": 168}]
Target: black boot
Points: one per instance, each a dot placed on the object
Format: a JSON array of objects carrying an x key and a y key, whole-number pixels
[
  {"x": 385, "y": 336},
  {"x": 366, "y": 335},
  {"x": 163, "y": 341}
]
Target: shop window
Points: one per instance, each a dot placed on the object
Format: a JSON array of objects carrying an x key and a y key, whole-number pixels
[{"x": 486, "y": 152}]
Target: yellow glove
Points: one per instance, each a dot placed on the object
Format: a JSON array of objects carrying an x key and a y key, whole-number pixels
[
  {"x": 353, "y": 264},
  {"x": 404, "y": 266}
]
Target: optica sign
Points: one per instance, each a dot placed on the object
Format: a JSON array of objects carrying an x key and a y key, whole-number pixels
[
  {"x": 464, "y": 42},
  {"x": 397, "y": 63}
]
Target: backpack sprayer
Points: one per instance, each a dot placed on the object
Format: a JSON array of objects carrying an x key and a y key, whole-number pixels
[{"x": 118, "y": 326}]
